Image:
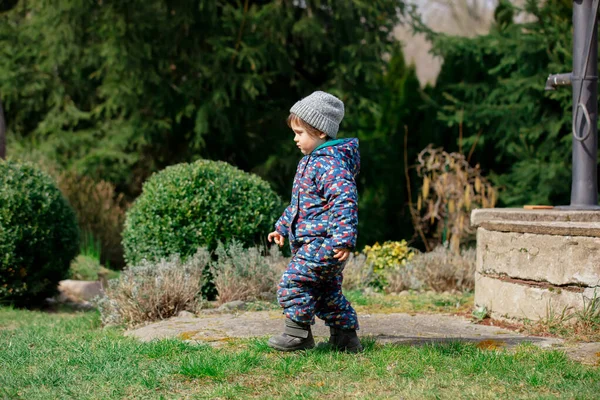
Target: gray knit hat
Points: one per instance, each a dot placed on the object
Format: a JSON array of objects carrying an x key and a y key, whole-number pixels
[{"x": 322, "y": 111}]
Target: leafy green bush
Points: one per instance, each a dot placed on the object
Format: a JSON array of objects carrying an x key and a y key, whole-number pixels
[
  {"x": 86, "y": 268},
  {"x": 187, "y": 206},
  {"x": 38, "y": 234},
  {"x": 391, "y": 256}
]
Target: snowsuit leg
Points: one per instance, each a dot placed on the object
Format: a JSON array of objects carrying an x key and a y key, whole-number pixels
[
  {"x": 312, "y": 285},
  {"x": 333, "y": 308}
]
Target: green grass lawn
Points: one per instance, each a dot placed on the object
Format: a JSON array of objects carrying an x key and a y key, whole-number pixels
[
  {"x": 69, "y": 356},
  {"x": 411, "y": 303}
]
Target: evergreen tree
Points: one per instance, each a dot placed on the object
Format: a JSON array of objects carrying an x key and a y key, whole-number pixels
[
  {"x": 2, "y": 133},
  {"x": 117, "y": 90},
  {"x": 383, "y": 213},
  {"x": 4, "y": 6},
  {"x": 494, "y": 86}
]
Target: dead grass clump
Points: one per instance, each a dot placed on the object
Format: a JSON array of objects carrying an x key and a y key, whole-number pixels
[
  {"x": 245, "y": 274},
  {"x": 582, "y": 325},
  {"x": 154, "y": 291}
]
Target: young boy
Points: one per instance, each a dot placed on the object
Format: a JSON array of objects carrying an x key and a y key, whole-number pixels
[{"x": 321, "y": 225}]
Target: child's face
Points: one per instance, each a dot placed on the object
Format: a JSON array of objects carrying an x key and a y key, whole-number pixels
[{"x": 306, "y": 142}]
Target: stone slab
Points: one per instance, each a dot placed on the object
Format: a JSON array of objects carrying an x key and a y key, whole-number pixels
[
  {"x": 403, "y": 329},
  {"x": 483, "y": 215},
  {"x": 77, "y": 291},
  {"x": 557, "y": 260},
  {"x": 585, "y": 353},
  {"x": 395, "y": 328},
  {"x": 544, "y": 227},
  {"x": 505, "y": 299}
]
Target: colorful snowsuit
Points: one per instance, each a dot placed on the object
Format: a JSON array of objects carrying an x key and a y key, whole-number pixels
[{"x": 322, "y": 215}]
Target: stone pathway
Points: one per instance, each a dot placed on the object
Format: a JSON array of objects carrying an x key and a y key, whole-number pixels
[{"x": 407, "y": 329}]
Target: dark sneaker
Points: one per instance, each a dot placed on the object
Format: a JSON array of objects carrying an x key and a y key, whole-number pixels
[
  {"x": 345, "y": 340},
  {"x": 294, "y": 337}
]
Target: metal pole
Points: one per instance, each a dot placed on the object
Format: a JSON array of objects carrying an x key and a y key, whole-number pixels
[
  {"x": 584, "y": 189},
  {"x": 557, "y": 80}
]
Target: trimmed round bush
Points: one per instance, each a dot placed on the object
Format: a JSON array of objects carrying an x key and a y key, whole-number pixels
[
  {"x": 187, "y": 206},
  {"x": 39, "y": 236}
]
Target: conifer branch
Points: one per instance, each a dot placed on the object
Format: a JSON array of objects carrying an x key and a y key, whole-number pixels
[{"x": 239, "y": 38}]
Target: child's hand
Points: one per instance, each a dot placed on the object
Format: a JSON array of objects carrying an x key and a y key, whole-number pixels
[
  {"x": 279, "y": 239},
  {"x": 341, "y": 254}
]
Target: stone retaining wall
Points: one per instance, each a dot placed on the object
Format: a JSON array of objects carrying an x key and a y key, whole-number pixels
[{"x": 531, "y": 262}]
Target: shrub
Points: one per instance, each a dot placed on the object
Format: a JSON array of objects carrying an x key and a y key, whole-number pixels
[
  {"x": 394, "y": 267},
  {"x": 187, "y": 206},
  {"x": 86, "y": 268},
  {"x": 100, "y": 213},
  {"x": 245, "y": 274},
  {"x": 356, "y": 272},
  {"x": 100, "y": 210},
  {"x": 38, "y": 234},
  {"x": 405, "y": 278},
  {"x": 440, "y": 270},
  {"x": 391, "y": 256},
  {"x": 154, "y": 291},
  {"x": 450, "y": 190}
]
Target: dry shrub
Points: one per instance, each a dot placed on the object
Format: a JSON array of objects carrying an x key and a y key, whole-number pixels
[
  {"x": 404, "y": 278},
  {"x": 245, "y": 274},
  {"x": 100, "y": 212},
  {"x": 357, "y": 273},
  {"x": 154, "y": 291},
  {"x": 444, "y": 270},
  {"x": 439, "y": 270},
  {"x": 450, "y": 190}
]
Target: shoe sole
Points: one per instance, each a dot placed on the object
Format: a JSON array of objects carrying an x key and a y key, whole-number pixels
[{"x": 281, "y": 348}]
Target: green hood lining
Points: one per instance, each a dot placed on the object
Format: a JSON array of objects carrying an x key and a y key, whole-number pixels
[{"x": 330, "y": 143}]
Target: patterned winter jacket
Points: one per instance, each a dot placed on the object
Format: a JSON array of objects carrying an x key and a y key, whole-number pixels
[{"x": 324, "y": 197}]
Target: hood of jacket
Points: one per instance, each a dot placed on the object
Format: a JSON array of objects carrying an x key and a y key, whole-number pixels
[{"x": 345, "y": 150}]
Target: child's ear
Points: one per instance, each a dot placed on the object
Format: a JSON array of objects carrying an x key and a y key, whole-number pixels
[{"x": 323, "y": 135}]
